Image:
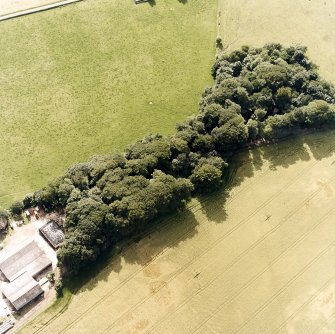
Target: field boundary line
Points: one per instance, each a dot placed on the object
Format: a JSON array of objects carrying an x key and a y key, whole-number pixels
[
  {"x": 306, "y": 267},
  {"x": 272, "y": 298},
  {"x": 232, "y": 230},
  {"x": 50, "y": 320},
  {"x": 240, "y": 256},
  {"x": 237, "y": 259},
  {"x": 192, "y": 208},
  {"x": 308, "y": 301},
  {"x": 324, "y": 323},
  {"x": 37, "y": 9}
]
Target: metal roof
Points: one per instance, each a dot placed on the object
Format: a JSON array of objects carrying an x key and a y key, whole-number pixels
[
  {"x": 21, "y": 291},
  {"x": 6, "y": 326},
  {"x": 52, "y": 233},
  {"x": 30, "y": 258}
]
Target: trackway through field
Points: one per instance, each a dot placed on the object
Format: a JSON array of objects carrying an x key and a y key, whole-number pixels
[{"x": 257, "y": 259}]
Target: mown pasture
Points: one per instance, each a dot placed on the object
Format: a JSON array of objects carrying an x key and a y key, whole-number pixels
[
  {"x": 92, "y": 77},
  {"x": 256, "y": 258}
]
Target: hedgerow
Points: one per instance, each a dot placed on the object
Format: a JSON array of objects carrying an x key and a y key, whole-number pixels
[{"x": 259, "y": 94}]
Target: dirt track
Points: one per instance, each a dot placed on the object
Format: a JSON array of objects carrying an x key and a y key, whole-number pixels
[{"x": 10, "y": 9}]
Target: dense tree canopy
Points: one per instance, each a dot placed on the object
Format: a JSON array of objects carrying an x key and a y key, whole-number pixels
[
  {"x": 4, "y": 219},
  {"x": 259, "y": 93}
]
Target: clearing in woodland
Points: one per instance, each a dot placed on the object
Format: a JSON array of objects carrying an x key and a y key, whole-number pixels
[
  {"x": 92, "y": 77},
  {"x": 257, "y": 258}
]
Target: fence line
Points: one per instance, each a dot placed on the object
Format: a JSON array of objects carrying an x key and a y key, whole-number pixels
[{"x": 37, "y": 9}]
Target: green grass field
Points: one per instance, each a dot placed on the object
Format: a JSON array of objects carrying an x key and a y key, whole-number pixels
[{"x": 92, "y": 77}]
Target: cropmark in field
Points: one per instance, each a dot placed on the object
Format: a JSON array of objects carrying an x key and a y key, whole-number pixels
[{"x": 256, "y": 259}]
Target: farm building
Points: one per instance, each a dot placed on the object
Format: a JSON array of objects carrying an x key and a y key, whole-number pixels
[
  {"x": 30, "y": 258},
  {"x": 21, "y": 291},
  {"x": 6, "y": 326},
  {"x": 52, "y": 233}
]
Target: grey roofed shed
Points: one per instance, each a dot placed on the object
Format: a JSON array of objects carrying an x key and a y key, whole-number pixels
[
  {"x": 53, "y": 234},
  {"x": 30, "y": 258},
  {"x": 22, "y": 291},
  {"x": 6, "y": 326}
]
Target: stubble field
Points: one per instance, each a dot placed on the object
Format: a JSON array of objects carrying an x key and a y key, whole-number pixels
[{"x": 254, "y": 259}]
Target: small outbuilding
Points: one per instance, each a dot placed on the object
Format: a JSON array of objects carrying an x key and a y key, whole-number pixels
[
  {"x": 30, "y": 258},
  {"x": 6, "y": 326},
  {"x": 23, "y": 290},
  {"x": 53, "y": 233}
]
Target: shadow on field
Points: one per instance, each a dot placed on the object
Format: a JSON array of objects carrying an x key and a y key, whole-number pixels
[
  {"x": 152, "y": 3},
  {"x": 317, "y": 145},
  {"x": 165, "y": 233},
  {"x": 170, "y": 231}
]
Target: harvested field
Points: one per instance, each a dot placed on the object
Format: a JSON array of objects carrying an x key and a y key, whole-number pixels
[{"x": 257, "y": 258}]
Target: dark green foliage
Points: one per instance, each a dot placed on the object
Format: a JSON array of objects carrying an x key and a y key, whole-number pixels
[
  {"x": 276, "y": 79},
  {"x": 16, "y": 208},
  {"x": 28, "y": 201},
  {"x": 48, "y": 197},
  {"x": 4, "y": 220},
  {"x": 259, "y": 93},
  {"x": 88, "y": 233},
  {"x": 163, "y": 194},
  {"x": 219, "y": 42},
  {"x": 4, "y": 214},
  {"x": 206, "y": 177},
  {"x": 207, "y": 173},
  {"x": 283, "y": 97},
  {"x": 279, "y": 82},
  {"x": 59, "y": 288},
  {"x": 51, "y": 277},
  {"x": 253, "y": 129},
  {"x": 231, "y": 134}
]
